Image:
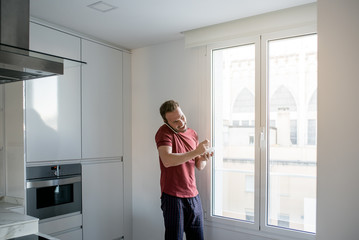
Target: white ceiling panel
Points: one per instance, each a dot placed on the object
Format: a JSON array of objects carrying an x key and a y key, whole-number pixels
[{"x": 139, "y": 23}]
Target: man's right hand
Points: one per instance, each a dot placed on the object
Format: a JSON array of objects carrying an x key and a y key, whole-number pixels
[{"x": 202, "y": 147}]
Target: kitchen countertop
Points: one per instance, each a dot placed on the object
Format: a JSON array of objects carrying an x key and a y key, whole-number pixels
[{"x": 14, "y": 224}]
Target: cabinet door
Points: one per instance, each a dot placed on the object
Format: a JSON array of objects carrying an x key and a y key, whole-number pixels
[
  {"x": 52, "y": 105},
  {"x": 101, "y": 101},
  {"x": 102, "y": 200},
  {"x": 54, "y": 42},
  {"x": 72, "y": 235},
  {"x": 2, "y": 143},
  {"x": 14, "y": 139}
]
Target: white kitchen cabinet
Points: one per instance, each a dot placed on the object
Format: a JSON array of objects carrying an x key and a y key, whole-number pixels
[
  {"x": 102, "y": 200},
  {"x": 66, "y": 227},
  {"x": 52, "y": 41},
  {"x": 14, "y": 140},
  {"x": 102, "y": 123},
  {"x": 2, "y": 143},
  {"x": 71, "y": 235},
  {"x": 53, "y": 104}
]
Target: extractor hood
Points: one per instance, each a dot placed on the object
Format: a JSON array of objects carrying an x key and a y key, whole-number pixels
[{"x": 17, "y": 62}]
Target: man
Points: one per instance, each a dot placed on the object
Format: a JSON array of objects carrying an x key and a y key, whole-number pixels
[{"x": 179, "y": 154}]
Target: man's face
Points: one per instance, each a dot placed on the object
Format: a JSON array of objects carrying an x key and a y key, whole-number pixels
[{"x": 177, "y": 120}]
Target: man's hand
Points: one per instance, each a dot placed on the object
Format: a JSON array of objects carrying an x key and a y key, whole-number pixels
[
  {"x": 201, "y": 160},
  {"x": 202, "y": 147}
]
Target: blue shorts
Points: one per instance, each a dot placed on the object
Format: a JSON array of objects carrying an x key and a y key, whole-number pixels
[{"x": 182, "y": 215}]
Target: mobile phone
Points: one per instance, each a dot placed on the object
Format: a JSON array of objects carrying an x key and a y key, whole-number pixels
[{"x": 171, "y": 128}]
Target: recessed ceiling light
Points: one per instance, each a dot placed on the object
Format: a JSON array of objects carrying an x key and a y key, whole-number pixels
[{"x": 102, "y": 6}]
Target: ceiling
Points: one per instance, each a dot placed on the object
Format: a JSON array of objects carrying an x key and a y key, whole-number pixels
[{"x": 138, "y": 23}]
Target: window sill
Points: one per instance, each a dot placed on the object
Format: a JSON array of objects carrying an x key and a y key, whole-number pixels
[{"x": 240, "y": 228}]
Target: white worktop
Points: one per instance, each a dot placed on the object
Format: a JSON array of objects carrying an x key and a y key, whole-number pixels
[{"x": 13, "y": 224}]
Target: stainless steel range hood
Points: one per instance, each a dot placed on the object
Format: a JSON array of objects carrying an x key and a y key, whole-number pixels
[{"x": 17, "y": 62}]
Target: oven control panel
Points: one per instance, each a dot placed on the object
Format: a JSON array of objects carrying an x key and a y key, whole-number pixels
[{"x": 37, "y": 172}]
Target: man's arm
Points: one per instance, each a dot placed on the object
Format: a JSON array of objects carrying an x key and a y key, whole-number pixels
[{"x": 170, "y": 159}]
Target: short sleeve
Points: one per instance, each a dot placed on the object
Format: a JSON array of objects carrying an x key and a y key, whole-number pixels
[{"x": 163, "y": 138}]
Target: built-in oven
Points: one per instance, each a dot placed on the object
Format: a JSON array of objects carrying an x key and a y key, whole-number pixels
[{"x": 53, "y": 190}]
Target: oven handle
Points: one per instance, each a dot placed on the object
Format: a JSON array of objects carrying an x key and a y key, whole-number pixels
[{"x": 53, "y": 182}]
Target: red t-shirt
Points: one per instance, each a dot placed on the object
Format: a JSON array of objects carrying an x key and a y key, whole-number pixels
[{"x": 178, "y": 181}]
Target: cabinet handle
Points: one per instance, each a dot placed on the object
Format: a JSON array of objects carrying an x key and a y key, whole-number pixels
[{"x": 53, "y": 182}]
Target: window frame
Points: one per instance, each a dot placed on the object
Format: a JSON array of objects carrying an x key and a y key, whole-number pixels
[
  {"x": 210, "y": 218},
  {"x": 260, "y": 226}
]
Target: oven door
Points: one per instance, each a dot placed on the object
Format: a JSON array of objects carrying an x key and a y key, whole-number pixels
[{"x": 53, "y": 197}]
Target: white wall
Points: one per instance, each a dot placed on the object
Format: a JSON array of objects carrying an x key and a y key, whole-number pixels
[
  {"x": 338, "y": 119},
  {"x": 297, "y": 17}
]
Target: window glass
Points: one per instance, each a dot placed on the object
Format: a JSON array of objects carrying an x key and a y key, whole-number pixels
[
  {"x": 234, "y": 97},
  {"x": 292, "y": 88}
]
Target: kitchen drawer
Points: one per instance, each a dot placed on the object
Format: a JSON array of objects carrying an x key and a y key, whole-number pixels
[{"x": 61, "y": 224}]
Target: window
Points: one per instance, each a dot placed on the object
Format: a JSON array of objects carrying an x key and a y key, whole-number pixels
[
  {"x": 287, "y": 162},
  {"x": 249, "y": 183},
  {"x": 312, "y": 124},
  {"x": 234, "y": 93},
  {"x": 293, "y": 131},
  {"x": 264, "y": 89},
  {"x": 283, "y": 220},
  {"x": 249, "y": 215}
]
